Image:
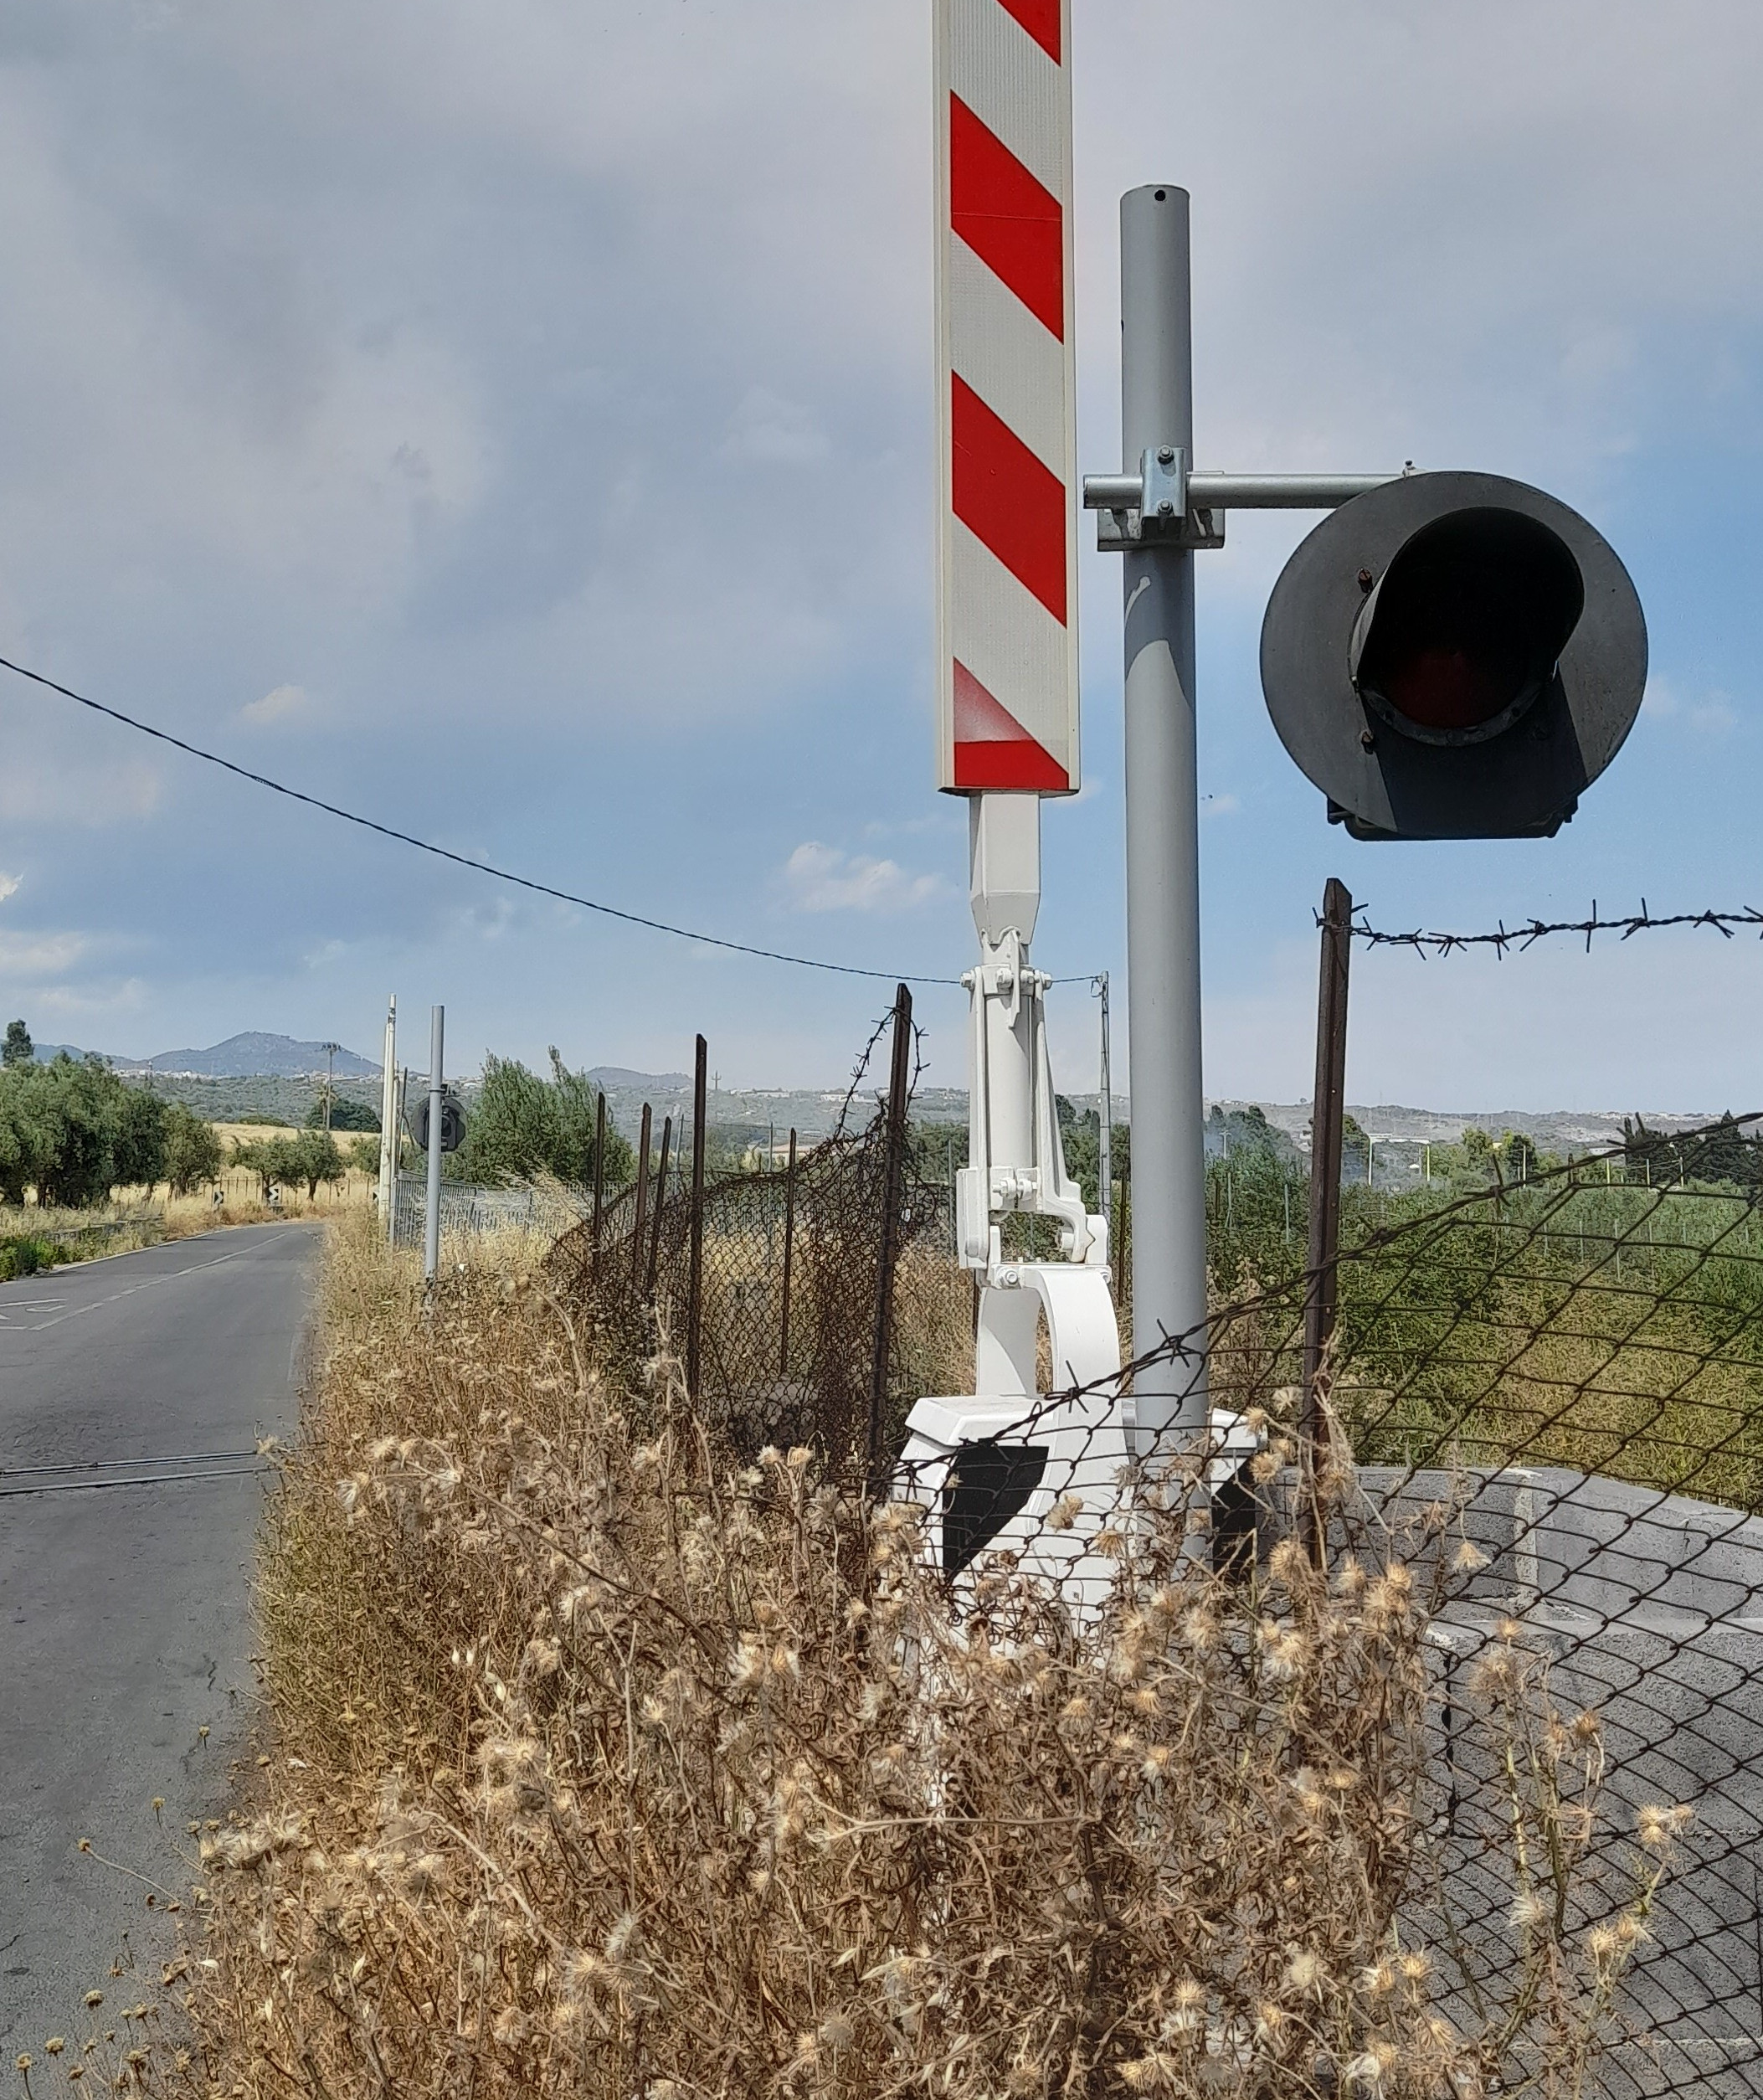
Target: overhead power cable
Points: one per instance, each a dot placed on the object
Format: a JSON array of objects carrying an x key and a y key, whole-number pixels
[
  {"x": 1535, "y": 930},
  {"x": 463, "y": 860}
]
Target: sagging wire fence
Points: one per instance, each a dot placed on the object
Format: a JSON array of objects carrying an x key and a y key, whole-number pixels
[
  {"x": 1408, "y": 1712},
  {"x": 1457, "y": 1626},
  {"x": 1535, "y": 1441},
  {"x": 811, "y": 1298},
  {"x": 1469, "y": 1576}
]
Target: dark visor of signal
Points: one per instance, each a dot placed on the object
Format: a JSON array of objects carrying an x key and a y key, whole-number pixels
[{"x": 1470, "y": 619}]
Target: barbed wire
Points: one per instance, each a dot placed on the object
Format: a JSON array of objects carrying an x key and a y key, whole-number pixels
[{"x": 1521, "y": 937}]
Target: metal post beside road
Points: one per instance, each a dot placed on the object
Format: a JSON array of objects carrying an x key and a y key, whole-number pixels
[
  {"x": 1162, "y": 830},
  {"x": 437, "y": 1096},
  {"x": 389, "y": 1126}
]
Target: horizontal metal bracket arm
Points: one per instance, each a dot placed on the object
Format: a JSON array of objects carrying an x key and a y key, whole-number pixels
[{"x": 1166, "y": 505}]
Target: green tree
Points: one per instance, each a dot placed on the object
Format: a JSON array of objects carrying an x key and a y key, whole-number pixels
[
  {"x": 28, "y": 1129},
  {"x": 19, "y": 1049},
  {"x": 273, "y": 1160},
  {"x": 78, "y": 1121},
  {"x": 522, "y": 1124},
  {"x": 363, "y": 1154},
  {"x": 72, "y": 1130},
  {"x": 192, "y": 1150},
  {"x": 314, "y": 1158},
  {"x": 137, "y": 1141},
  {"x": 346, "y": 1115},
  {"x": 577, "y": 1115}
]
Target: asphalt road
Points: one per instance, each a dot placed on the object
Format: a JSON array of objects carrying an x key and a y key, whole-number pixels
[{"x": 124, "y": 1626}]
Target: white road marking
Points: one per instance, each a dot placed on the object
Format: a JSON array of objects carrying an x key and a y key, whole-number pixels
[{"x": 73, "y": 1312}]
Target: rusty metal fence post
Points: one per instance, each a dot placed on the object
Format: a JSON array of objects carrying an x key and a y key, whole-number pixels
[
  {"x": 892, "y": 1195},
  {"x": 641, "y": 1220},
  {"x": 660, "y": 1204},
  {"x": 789, "y": 1236},
  {"x": 599, "y": 1176},
  {"x": 1327, "y": 1112},
  {"x": 695, "y": 1275}
]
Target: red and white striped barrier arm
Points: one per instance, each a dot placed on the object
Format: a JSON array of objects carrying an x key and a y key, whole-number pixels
[{"x": 1007, "y": 525}]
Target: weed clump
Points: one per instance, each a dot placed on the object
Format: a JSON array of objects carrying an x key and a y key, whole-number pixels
[{"x": 605, "y": 1764}]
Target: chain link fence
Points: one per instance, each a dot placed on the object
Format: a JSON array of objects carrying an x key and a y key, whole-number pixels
[
  {"x": 1538, "y": 1426},
  {"x": 793, "y": 1348},
  {"x": 469, "y": 1211},
  {"x": 1536, "y": 1430}
]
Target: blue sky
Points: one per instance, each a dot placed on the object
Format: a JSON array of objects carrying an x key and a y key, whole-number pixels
[{"x": 515, "y": 422}]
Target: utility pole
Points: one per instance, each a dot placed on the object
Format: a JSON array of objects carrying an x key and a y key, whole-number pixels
[
  {"x": 330, "y": 1050},
  {"x": 437, "y": 1103},
  {"x": 1162, "y": 829},
  {"x": 388, "y": 1124}
]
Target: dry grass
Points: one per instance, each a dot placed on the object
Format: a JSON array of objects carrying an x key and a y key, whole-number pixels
[{"x": 602, "y": 1766}]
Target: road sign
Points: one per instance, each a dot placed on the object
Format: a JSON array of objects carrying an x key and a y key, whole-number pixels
[
  {"x": 453, "y": 1124},
  {"x": 1453, "y": 655},
  {"x": 1007, "y": 534}
]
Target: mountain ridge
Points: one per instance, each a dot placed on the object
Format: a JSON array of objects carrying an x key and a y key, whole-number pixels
[{"x": 253, "y": 1054}]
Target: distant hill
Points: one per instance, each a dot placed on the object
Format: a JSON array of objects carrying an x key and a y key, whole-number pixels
[
  {"x": 611, "y": 1076},
  {"x": 252, "y": 1055},
  {"x": 255, "y": 1052}
]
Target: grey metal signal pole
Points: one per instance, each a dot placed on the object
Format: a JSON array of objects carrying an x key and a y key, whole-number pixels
[
  {"x": 431, "y": 1235},
  {"x": 1162, "y": 827}
]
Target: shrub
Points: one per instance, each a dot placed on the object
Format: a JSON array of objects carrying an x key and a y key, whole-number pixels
[
  {"x": 24, "y": 1254},
  {"x": 347, "y": 1114}
]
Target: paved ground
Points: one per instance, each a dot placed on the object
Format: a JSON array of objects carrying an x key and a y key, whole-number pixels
[{"x": 124, "y": 1623}]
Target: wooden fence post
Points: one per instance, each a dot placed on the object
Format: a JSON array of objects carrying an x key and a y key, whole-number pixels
[
  {"x": 1328, "y": 1111},
  {"x": 695, "y": 1279},
  {"x": 892, "y": 1196}
]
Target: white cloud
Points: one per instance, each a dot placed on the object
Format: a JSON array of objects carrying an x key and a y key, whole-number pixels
[
  {"x": 1709, "y": 714},
  {"x": 9, "y": 885},
  {"x": 279, "y": 706},
  {"x": 765, "y": 427},
  {"x": 820, "y": 878},
  {"x": 45, "y": 791},
  {"x": 34, "y": 956}
]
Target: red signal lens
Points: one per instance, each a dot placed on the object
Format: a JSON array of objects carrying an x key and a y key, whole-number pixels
[{"x": 1465, "y": 629}]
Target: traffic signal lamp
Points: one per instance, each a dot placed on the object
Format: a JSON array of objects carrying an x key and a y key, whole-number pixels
[{"x": 1453, "y": 655}]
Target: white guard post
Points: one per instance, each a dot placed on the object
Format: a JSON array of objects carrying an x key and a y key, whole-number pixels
[{"x": 989, "y": 1468}]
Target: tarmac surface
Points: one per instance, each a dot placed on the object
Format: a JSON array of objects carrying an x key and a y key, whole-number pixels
[{"x": 133, "y": 1394}]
